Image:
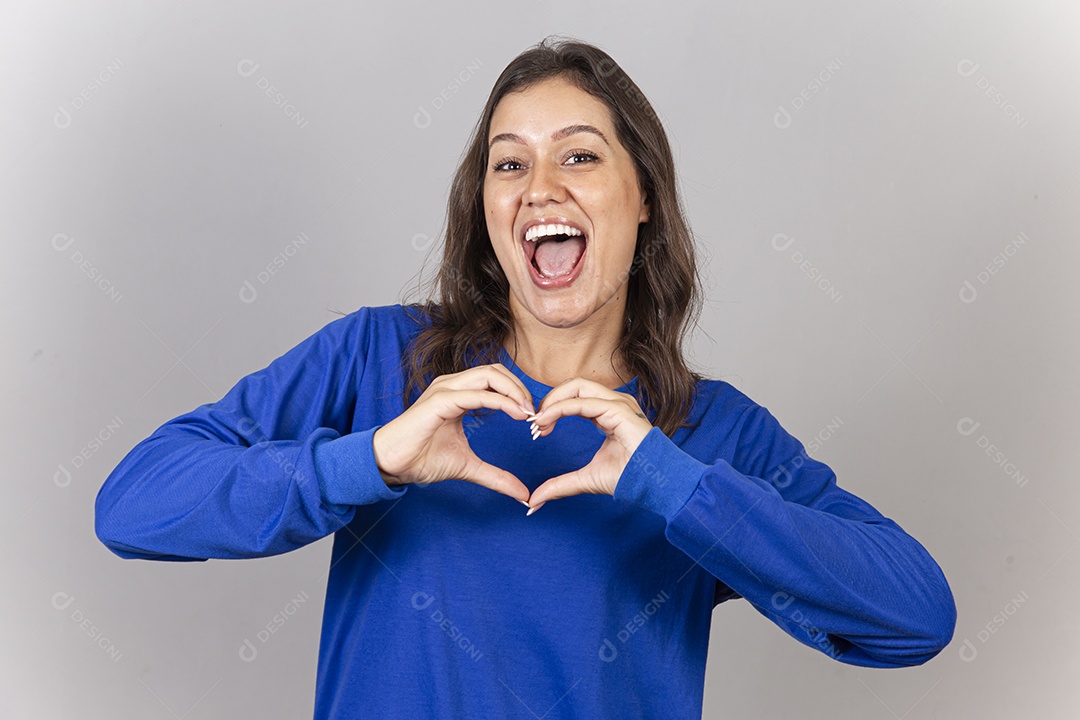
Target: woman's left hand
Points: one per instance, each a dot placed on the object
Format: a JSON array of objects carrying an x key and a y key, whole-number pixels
[{"x": 616, "y": 414}]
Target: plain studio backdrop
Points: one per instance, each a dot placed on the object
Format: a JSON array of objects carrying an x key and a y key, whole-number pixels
[{"x": 886, "y": 197}]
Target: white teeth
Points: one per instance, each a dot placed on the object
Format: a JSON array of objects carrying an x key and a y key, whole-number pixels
[{"x": 553, "y": 229}]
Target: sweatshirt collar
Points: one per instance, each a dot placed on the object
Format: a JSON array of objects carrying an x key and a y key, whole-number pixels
[{"x": 539, "y": 389}]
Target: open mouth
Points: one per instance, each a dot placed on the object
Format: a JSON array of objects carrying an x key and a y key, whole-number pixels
[{"x": 554, "y": 251}]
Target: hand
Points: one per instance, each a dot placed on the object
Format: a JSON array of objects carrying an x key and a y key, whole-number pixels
[
  {"x": 426, "y": 443},
  {"x": 616, "y": 414}
]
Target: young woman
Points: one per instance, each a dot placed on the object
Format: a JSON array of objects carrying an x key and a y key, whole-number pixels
[{"x": 550, "y": 373}]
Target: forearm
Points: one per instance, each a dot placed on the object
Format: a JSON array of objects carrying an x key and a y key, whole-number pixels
[
  {"x": 184, "y": 497},
  {"x": 836, "y": 575}
]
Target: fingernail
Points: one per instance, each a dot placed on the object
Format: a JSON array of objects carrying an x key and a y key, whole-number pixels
[
  {"x": 533, "y": 417},
  {"x": 535, "y": 433},
  {"x": 524, "y": 502},
  {"x": 532, "y": 510}
]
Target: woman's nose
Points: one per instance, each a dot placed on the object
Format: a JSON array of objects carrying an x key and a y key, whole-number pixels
[{"x": 545, "y": 185}]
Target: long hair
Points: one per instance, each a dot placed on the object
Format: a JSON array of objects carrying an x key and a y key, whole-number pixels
[{"x": 472, "y": 317}]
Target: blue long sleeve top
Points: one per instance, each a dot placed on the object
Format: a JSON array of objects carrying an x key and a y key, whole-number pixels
[{"x": 446, "y": 601}]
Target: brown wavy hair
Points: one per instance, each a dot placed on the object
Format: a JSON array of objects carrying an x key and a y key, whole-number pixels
[{"x": 472, "y": 318}]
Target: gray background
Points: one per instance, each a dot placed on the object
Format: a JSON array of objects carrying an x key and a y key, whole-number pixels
[{"x": 902, "y": 148}]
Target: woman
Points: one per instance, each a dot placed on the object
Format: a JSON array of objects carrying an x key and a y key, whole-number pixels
[{"x": 551, "y": 372}]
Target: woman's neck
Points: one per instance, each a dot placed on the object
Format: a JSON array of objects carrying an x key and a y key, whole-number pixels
[{"x": 553, "y": 355}]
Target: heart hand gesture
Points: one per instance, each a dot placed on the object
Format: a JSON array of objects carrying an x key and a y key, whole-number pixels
[
  {"x": 616, "y": 414},
  {"x": 426, "y": 443}
]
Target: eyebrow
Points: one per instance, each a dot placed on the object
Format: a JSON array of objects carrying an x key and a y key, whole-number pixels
[{"x": 555, "y": 136}]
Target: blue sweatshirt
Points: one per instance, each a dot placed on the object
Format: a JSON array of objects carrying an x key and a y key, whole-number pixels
[{"x": 446, "y": 601}]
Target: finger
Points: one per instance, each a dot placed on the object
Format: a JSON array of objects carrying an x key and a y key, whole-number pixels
[
  {"x": 451, "y": 404},
  {"x": 489, "y": 377},
  {"x": 580, "y": 387},
  {"x": 497, "y": 479},
  {"x": 554, "y": 488},
  {"x": 622, "y": 421},
  {"x": 566, "y": 485},
  {"x": 525, "y": 392},
  {"x": 605, "y": 413}
]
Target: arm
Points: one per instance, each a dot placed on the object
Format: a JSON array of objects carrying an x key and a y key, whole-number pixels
[
  {"x": 256, "y": 473},
  {"x": 822, "y": 564}
]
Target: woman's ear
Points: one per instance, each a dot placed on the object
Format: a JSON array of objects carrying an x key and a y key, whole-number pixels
[{"x": 643, "y": 216}]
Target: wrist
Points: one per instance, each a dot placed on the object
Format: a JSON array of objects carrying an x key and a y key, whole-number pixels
[
  {"x": 659, "y": 476},
  {"x": 389, "y": 478},
  {"x": 347, "y": 473}
]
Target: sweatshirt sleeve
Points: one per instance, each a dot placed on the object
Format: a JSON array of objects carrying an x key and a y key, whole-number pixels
[
  {"x": 258, "y": 472},
  {"x": 822, "y": 564}
]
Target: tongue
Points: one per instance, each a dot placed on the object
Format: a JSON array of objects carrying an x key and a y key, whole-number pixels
[{"x": 558, "y": 257}]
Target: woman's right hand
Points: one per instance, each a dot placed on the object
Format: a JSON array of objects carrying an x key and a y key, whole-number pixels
[{"x": 426, "y": 443}]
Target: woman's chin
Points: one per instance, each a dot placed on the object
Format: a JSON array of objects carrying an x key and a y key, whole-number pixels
[{"x": 562, "y": 311}]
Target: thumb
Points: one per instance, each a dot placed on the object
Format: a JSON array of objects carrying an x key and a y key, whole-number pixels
[
  {"x": 560, "y": 486},
  {"x": 481, "y": 473}
]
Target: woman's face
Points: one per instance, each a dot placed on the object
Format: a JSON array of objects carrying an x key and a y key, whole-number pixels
[{"x": 554, "y": 158}]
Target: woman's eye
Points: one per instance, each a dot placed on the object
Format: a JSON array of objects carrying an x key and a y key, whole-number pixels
[
  {"x": 588, "y": 157},
  {"x": 502, "y": 165},
  {"x": 576, "y": 158}
]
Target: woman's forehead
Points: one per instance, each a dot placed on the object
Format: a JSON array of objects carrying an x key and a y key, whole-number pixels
[{"x": 552, "y": 109}]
